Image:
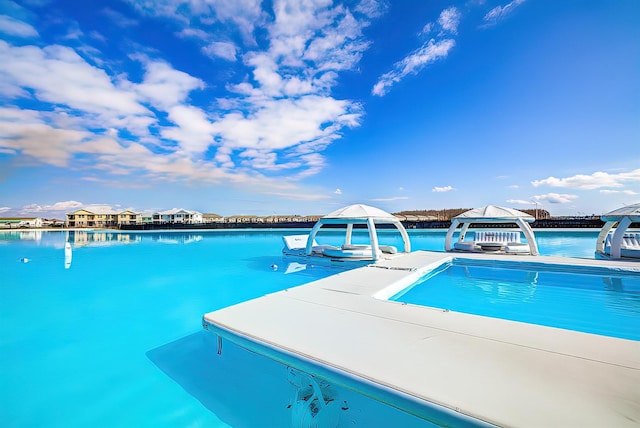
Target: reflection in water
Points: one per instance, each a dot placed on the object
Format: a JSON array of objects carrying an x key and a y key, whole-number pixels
[
  {"x": 295, "y": 267},
  {"x": 67, "y": 255},
  {"x": 177, "y": 238},
  {"x": 81, "y": 238},
  {"x": 621, "y": 298},
  {"x": 506, "y": 286},
  {"x": 21, "y": 235}
]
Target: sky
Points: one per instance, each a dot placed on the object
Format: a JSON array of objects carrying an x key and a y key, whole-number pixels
[{"x": 302, "y": 107}]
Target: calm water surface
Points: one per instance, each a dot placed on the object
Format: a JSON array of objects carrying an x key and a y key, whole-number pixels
[
  {"x": 115, "y": 339},
  {"x": 598, "y": 301}
]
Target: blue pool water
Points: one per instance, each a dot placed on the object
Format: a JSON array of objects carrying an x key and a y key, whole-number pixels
[
  {"x": 116, "y": 338},
  {"x": 590, "y": 300}
]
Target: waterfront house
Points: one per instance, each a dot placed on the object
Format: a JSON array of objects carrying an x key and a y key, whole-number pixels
[
  {"x": 177, "y": 215},
  {"x": 16, "y": 222}
]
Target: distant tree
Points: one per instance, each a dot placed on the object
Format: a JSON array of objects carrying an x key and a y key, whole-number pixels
[
  {"x": 538, "y": 213},
  {"x": 443, "y": 214},
  {"x": 448, "y": 213}
]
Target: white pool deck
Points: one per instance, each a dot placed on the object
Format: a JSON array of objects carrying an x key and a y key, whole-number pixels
[{"x": 447, "y": 367}]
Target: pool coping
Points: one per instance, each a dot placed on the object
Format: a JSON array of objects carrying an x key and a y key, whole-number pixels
[{"x": 443, "y": 366}]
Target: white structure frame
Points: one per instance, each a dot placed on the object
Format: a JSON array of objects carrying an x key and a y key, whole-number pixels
[
  {"x": 618, "y": 220},
  {"x": 360, "y": 214},
  {"x": 492, "y": 214}
]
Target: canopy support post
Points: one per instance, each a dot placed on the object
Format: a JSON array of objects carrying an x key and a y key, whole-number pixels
[
  {"x": 447, "y": 242},
  {"x": 312, "y": 237},
  {"x": 616, "y": 240},
  {"x": 373, "y": 236}
]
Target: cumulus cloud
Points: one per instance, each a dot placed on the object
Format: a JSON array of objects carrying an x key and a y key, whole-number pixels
[
  {"x": 613, "y": 192},
  {"x": 267, "y": 130},
  {"x": 119, "y": 19},
  {"x": 498, "y": 13},
  {"x": 224, "y": 50},
  {"x": 442, "y": 189},
  {"x": 519, "y": 202},
  {"x": 14, "y": 27},
  {"x": 338, "y": 192},
  {"x": 391, "y": 199},
  {"x": 555, "y": 198},
  {"x": 58, "y": 207},
  {"x": 298, "y": 196},
  {"x": 431, "y": 51},
  {"x": 449, "y": 20},
  {"x": 414, "y": 63},
  {"x": 70, "y": 80},
  {"x": 592, "y": 181},
  {"x": 4, "y": 209}
]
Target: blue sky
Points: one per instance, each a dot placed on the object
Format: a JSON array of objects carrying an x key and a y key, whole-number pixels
[{"x": 301, "y": 107}]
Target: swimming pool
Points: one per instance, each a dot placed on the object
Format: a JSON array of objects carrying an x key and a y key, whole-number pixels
[
  {"x": 116, "y": 339},
  {"x": 592, "y": 300}
]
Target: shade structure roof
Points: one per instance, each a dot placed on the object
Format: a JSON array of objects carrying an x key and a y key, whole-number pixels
[
  {"x": 494, "y": 214},
  {"x": 617, "y": 221},
  {"x": 360, "y": 214},
  {"x": 632, "y": 211},
  {"x": 360, "y": 211}
]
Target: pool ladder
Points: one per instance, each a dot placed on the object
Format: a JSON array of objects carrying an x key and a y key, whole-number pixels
[{"x": 313, "y": 403}]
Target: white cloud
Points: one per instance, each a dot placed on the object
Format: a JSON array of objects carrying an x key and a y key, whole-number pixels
[
  {"x": 224, "y": 50},
  {"x": 4, "y": 209},
  {"x": 414, "y": 63},
  {"x": 514, "y": 186},
  {"x": 395, "y": 198},
  {"x": 119, "y": 19},
  {"x": 372, "y": 8},
  {"x": 24, "y": 132},
  {"x": 298, "y": 196},
  {"x": 427, "y": 28},
  {"x": 269, "y": 130},
  {"x": 519, "y": 202},
  {"x": 555, "y": 198},
  {"x": 442, "y": 189},
  {"x": 243, "y": 15},
  {"x": 70, "y": 80},
  {"x": 449, "y": 20},
  {"x": 594, "y": 181},
  {"x": 338, "y": 192},
  {"x": 64, "y": 206},
  {"x": 500, "y": 12},
  {"x": 193, "y": 131},
  {"x": 163, "y": 86},
  {"x": 14, "y": 27},
  {"x": 613, "y": 192}
]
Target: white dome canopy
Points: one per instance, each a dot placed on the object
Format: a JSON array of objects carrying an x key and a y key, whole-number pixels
[
  {"x": 360, "y": 211},
  {"x": 617, "y": 222},
  {"x": 360, "y": 214},
  {"x": 632, "y": 211},
  {"x": 494, "y": 214}
]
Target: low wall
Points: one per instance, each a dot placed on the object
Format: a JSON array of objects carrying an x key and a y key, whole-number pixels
[{"x": 566, "y": 223}]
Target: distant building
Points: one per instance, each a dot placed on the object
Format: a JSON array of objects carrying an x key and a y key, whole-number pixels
[
  {"x": 86, "y": 218},
  {"x": 177, "y": 215},
  {"x": 213, "y": 218},
  {"x": 146, "y": 217},
  {"x": 128, "y": 217},
  {"x": 16, "y": 222},
  {"x": 106, "y": 218}
]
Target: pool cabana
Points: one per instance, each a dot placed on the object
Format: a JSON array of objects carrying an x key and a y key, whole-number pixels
[
  {"x": 359, "y": 214},
  {"x": 614, "y": 241},
  {"x": 493, "y": 241}
]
